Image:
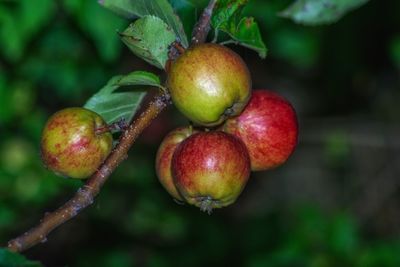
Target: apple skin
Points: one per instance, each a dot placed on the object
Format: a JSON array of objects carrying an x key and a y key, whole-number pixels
[
  {"x": 70, "y": 146},
  {"x": 211, "y": 169},
  {"x": 269, "y": 128},
  {"x": 164, "y": 159},
  {"x": 209, "y": 83}
]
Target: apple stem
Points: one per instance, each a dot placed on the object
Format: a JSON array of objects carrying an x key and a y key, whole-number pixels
[
  {"x": 175, "y": 50},
  {"x": 117, "y": 126}
]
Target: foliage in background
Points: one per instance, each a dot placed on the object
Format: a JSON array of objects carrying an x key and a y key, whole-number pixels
[
  {"x": 58, "y": 53},
  {"x": 317, "y": 12}
]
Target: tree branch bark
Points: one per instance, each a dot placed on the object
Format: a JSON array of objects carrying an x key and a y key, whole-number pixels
[
  {"x": 86, "y": 194},
  {"x": 84, "y": 197},
  {"x": 202, "y": 27}
]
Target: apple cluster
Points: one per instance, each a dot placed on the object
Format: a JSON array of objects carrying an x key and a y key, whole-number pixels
[
  {"x": 251, "y": 131},
  {"x": 235, "y": 131}
]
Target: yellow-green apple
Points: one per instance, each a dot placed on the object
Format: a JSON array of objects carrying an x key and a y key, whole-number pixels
[
  {"x": 209, "y": 83},
  {"x": 71, "y": 144},
  {"x": 210, "y": 169},
  {"x": 164, "y": 158},
  {"x": 268, "y": 126}
]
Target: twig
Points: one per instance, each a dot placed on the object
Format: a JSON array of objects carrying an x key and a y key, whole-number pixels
[
  {"x": 202, "y": 27},
  {"x": 86, "y": 194}
]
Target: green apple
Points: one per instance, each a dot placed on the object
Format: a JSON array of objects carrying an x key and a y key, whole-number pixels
[
  {"x": 209, "y": 83},
  {"x": 70, "y": 144}
]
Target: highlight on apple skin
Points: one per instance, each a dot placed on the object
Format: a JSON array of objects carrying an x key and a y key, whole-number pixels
[
  {"x": 70, "y": 145},
  {"x": 269, "y": 128},
  {"x": 209, "y": 83},
  {"x": 211, "y": 169}
]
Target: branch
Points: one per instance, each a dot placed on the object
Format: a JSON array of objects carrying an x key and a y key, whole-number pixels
[
  {"x": 84, "y": 197},
  {"x": 86, "y": 194},
  {"x": 199, "y": 35},
  {"x": 202, "y": 27}
]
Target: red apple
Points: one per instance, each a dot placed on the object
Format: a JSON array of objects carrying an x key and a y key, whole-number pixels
[
  {"x": 164, "y": 159},
  {"x": 70, "y": 144},
  {"x": 268, "y": 126},
  {"x": 210, "y": 169}
]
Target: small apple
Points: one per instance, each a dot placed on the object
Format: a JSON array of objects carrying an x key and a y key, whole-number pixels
[
  {"x": 211, "y": 169},
  {"x": 268, "y": 126},
  {"x": 70, "y": 145},
  {"x": 164, "y": 159},
  {"x": 209, "y": 83}
]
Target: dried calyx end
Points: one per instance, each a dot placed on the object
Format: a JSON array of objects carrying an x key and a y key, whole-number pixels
[
  {"x": 228, "y": 112},
  {"x": 206, "y": 204},
  {"x": 232, "y": 110}
]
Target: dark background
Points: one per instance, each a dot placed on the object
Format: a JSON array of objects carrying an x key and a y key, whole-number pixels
[{"x": 336, "y": 202}]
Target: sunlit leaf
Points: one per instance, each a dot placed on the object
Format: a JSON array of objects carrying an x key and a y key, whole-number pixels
[
  {"x": 227, "y": 13},
  {"x": 139, "y": 8},
  {"x": 316, "y": 12},
  {"x": 140, "y": 78},
  {"x": 113, "y": 106},
  {"x": 227, "y": 17},
  {"x": 149, "y": 38},
  {"x": 248, "y": 35}
]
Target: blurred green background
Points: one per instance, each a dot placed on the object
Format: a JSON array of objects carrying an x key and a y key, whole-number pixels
[{"x": 336, "y": 202}]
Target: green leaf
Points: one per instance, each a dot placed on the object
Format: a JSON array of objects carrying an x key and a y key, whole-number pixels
[
  {"x": 140, "y": 78},
  {"x": 248, "y": 35},
  {"x": 113, "y": 106},
  {"x": 139, "y": 8},
  {"x": 149, "y": 38},
  {"x": 11, "y": 259},
  {"x": 227, "y": 13},
  {"x": 317, "y": 12},
  {"x": 244, "y": 31}
]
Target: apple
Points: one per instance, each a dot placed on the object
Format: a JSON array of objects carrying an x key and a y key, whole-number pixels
[
  {"x": 269, "y": 128},
  {"x": 210, "y": 169},
  {"x": 164, "y": 159},
  {"x": 70, "y": 144},
  {"x": 209, "y": 83}
]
